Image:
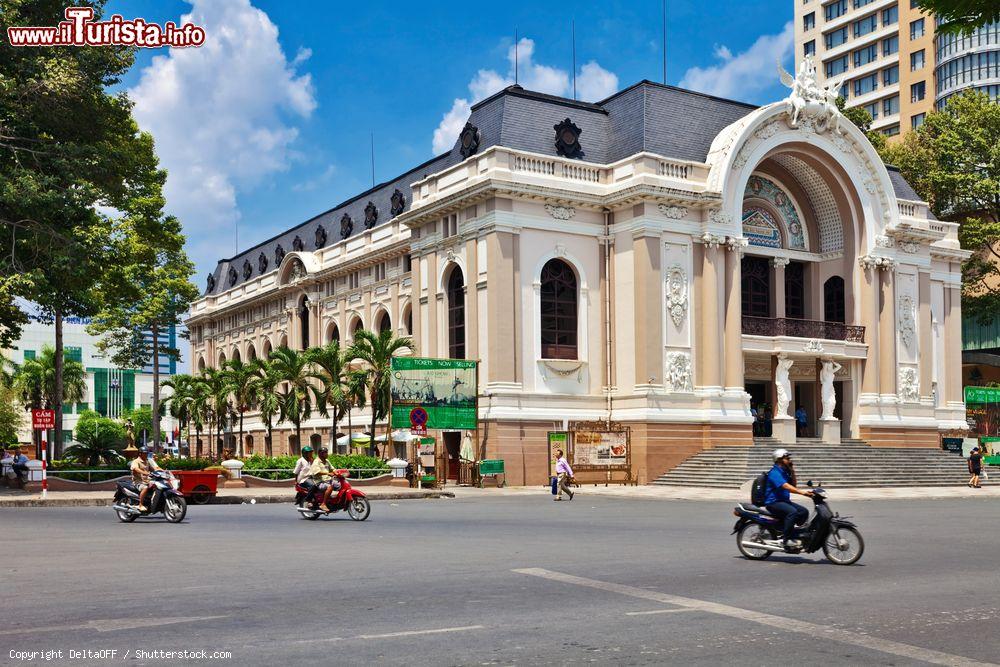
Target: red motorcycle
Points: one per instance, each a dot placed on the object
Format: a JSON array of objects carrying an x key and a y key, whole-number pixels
[{"x": 353, "y": 501}]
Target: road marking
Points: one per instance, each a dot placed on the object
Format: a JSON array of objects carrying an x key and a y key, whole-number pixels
[
  {"x": 657, "y": 611},
  {"x": 779, "y": 622},
  {"x": 413, "y": 633},
  {"x": 113, "y": 624}
]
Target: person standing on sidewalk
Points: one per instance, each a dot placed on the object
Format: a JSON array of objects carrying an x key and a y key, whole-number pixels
[
  {"x": 565, "y": 475},
  {"x": 975, "y": 468}
]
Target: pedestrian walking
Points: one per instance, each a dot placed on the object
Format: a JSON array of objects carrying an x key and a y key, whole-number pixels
[
  {"x": 800, "y": 422},
  {"x": 565, "y": 475},
  {"x": 975, "y": 468}
]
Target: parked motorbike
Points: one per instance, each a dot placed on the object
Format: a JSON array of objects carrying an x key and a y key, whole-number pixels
[
  {"x": 759, "y": 533},
  {"x": 347, "y": 498},
  {"x": 163, "y": 496}
]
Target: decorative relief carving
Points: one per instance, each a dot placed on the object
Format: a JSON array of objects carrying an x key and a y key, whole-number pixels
[
  {"x": 712, "y": 240},
  {"x": 468, "y": 140},
  {"x": 320, "y": 236},
  {"x": 560, "y": 212},
  {"x": 909, "y": 387},
  {"x": 814, "y": 345},
  {"x": 397, "y": 202},
  {"x": 909, "y": 247},
  {"x": 812, "y": 103},
  {"x": 767, "y": 131},
  {"x": 679, "y": 371},
  {"x": 677, "y": 294},
  {"x": 780, "y": 262},
  {"x": 907, "y": 323},
  {"x": 346, "y": 226},
  {"x": 262, "y": 263},
  {"x": 876, "y": 262},
  {"x": 568, "y": 139},
  {"x": 233, "y": 276},
  {"x": 674, "y": 212},
  {"x": 211, "y": 283},
  {"x": 884, "y": 241},
  {"x": 560, "y": 250},
  {"x": 717, "y": 216},
  {"x": 371, "y": 215},
  {"x": 279, "y": 254},
  {"x": 562, "y": 368},
  {"x": 737, "y": 244},
  {"x": 247, "y": 269},
  {"x": 297, "y": 244}
]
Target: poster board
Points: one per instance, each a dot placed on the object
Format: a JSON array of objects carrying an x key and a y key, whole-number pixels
[
  {"x": 434, "y": 393},
  {"x": 603, "y": 449}
]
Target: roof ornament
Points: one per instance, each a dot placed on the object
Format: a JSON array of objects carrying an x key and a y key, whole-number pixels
[
  {"x": 298, "y": 245},
  {"x": 398, "y": 202},
  {"x": 247, "y": 269},
  {"x": 233, "y": 276},
  {"x": 469, "y": 140},
  {"x": 262, "y": 262},
  {"x": 568, "y": 139},
  {"x": 371, "y": 215},
  {"x": 320, "y": 237},
  {"x": 211, "y": 282},
  {"x": 279, "y": 254},
  {"x": 346, "y": 226},
  {"x": 811, "y": 104}
]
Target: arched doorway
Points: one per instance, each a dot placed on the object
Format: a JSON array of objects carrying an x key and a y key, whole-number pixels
[
  {"x": 383, "y": 322},
  {"x": 456, "y": 313}
]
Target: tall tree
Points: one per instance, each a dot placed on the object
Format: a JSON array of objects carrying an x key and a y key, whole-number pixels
[
  {"x": 240, "y": 378},
  {"x": 333, "y": 368},
  {"x": 299, "y": 395},
  {"x": 953, "y": 162},
  {"x": 377, "y": 351},
  {"x": 961, "y": 16},
  {"x": 36, "y": 383},
  {"x": 268, "y": 401},
  {"x": 180, "y": 402},
  {"x": 214, "y": 395},
  {"x": 68, "y": 146}
]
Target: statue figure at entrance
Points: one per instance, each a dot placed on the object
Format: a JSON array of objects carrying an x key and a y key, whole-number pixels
[
  {"x": 827, "y": 394},
  {"x": 783, "y": 385}
]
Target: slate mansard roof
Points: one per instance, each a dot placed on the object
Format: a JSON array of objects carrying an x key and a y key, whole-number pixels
[{"x": 647, "y": 116}]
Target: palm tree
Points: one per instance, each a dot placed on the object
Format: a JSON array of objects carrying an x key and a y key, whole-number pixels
[
  {"x": 181, "y": 401},
  {"x": 35, "y": 381},
  {"x": 216, "y": 400},
  {"x": 99, "y": 438},
  {"x": 299, "y": 395},
  {"x": 199, "y": 410},
  {"x": 268, "y": 400},
  {"x": 377, "y": 351},
  {"x": 239, "y": 382},
  {"x": 334, "y": 371}
]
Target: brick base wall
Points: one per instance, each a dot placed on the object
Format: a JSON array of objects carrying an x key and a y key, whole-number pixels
[{"x": 909, "y": 437}]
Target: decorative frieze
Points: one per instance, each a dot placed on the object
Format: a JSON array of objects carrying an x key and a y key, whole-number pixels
[
  {"x": 906, "y": 321},
  {"x": 673, "y": 212},
  {"x": 712, "y": 240},
  {"x": 679, "y": 372},
  {"x": 909, "y": 388},
  {"x": 560, "y": 212},
  {"x": 876, "y": 262},
  {"x": 719, "y": 217},
  {"x": 737, "y": 244}
]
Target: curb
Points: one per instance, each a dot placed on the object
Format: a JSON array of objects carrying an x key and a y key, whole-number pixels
[{"x": 219, "y": 500}]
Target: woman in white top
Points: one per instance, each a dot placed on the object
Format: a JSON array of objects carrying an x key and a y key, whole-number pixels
[{"x": 302, "y": 466}]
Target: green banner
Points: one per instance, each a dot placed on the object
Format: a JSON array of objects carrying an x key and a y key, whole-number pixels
[
  {"x": 982, "y": 394},
  {"x": 438, "y": 393},
  {"x": 491, "y": 467}
]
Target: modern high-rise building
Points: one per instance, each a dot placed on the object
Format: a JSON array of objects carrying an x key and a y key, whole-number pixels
[
  {"x": 967, "y": 61},
  {"x": 166, "y": 339},
  {"x": 881, "y": 50}
]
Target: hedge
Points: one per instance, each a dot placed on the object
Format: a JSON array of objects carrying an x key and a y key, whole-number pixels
[{"x": 259, "y": 462}]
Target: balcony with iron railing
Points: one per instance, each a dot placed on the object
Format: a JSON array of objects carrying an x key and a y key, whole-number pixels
[{"x": 793, "y": 328}]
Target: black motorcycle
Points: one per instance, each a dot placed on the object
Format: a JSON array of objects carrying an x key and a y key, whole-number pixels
[
  {"x": 759, "y": 533},
  {"x": 163, "y": 497}
]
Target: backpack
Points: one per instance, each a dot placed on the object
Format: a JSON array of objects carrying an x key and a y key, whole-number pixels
[{"x": 758, "y": 491}]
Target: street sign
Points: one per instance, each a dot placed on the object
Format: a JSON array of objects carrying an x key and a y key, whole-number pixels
[
  {"x": 43, "y": 419},
  {"x": 418, "y": 421}
]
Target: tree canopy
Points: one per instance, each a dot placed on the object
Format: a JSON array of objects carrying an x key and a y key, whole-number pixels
[{"x": 961, "y": 16}]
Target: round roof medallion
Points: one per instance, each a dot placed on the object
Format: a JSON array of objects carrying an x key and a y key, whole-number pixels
[
  {"x": 346, "y": 226},
  {"x": 211, "y": 282},
  {"x": 247, "y": 269},
  {"x": 568, "y": 139},
  {"x": 262, "y": 262},
  {"x": 279, "y": 254},
  {"x": 398, "y": 202},
  {"x": 320, "y": 237},
  {"x": 298, "y": 245},
  {"x": 371, "y": 215},
  {"x": 468, "y": 140},
  {"x": 233, "y": 276}
]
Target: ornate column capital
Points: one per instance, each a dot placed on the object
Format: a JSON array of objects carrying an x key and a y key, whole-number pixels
[
  {"x": 737, "y": 245},
  {"x": 712, "y": 240},
  {"x": 876, "y": 262},
  {"x": 780, "y": 262}
]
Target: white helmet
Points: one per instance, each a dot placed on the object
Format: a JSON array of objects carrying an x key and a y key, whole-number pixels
[{"x": 780, "y": 454}]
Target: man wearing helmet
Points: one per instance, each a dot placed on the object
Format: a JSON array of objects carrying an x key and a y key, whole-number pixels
[
  {"x": 302, "y": 467},
  {"x": 777, "y": 499},
  {"x": 321, "y": 471},
  {"x": 141, "y": 467}
]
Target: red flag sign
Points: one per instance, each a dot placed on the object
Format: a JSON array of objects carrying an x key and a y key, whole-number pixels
[{"x": 43, "y": 419}]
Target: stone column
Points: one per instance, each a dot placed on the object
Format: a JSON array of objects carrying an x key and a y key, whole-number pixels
[
  {"x": 734, "y": 316},
  {"x": 778, "y": 286},
  {"x": 869, "y": 372},
  {"x": 887, "y": 328},
  {"x": 500, "y": 298},
  {"x": 953, "y": 344},
  {"x": 709, "y": 331},
  {"x": 648, "y": 344},
  {"x": 925, "y": 345},
  {"x": 471, "y": 301},
  {"x": 431, "y": 344},
  {"x": 415, "y": 308}
]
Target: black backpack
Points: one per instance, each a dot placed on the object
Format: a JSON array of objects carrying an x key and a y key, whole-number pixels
[{"x": 758, "y": 492}]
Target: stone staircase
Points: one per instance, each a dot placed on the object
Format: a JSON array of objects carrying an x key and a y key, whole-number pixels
[{"x": 852, "y": 464}]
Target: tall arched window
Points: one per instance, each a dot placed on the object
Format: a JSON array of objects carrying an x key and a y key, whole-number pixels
[
  {"x": 384, "y": 323},
  {"x": 755, "y": 275},
  {"x": 833, "y": 300},
  {"x": 304, "y": 321},
  {"x": 408, "y": 320},
  {"x": 558, "y": 310},
  {"x": 334, "y": 334},
  {"x": 795, "y": 290},
  {"x": 456, "y": 314}
]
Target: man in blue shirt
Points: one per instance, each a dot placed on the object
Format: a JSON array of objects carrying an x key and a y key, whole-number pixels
[{"x": 777, "y": 499}]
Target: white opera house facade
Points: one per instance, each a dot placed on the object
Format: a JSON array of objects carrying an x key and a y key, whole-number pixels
[{"x": 679, "y": 263}]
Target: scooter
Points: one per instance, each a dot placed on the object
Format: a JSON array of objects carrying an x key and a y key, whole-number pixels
[
  {"x": 353, "y": 501},
  {"x": 164, "y": 496},
  {"x": 759, "y": 533}
]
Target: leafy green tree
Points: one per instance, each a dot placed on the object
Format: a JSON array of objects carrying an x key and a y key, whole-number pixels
[
  {"x": 37, "y": 384},
  {"x": 98, "y": 438},
  {"x": 333, "y": 368},
  {"x": 299, "y": 395},
  {"x": 953, "y": 162},
  {"x": 265, "y": 389},
  {"x": 68, "y": 147},
  {"x": 240, "y": 379},
  {"x": 180, "y": 402},
  {"x": 962, "y": 16},
  {"x": 11, "y": 416},
  {"x": 213, "y": 398},
  {"x": 864, "y": 121},
  {"x": 377, "y": 351},
  {"x": 142, "y": 423}
]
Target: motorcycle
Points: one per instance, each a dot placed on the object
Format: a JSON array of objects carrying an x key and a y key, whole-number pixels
[
  {"x": 759, "y": 533},
  {"x": 163, "y": 496},
  {"x": 347, "y": 498}
]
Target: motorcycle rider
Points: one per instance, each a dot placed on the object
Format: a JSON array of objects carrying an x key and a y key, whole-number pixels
[
  {"x": 301, "y": 471},
  {"x": 777, "y": 499},
  {"x": 141, "y": 467},
  {"x": 321, "y": 471}
]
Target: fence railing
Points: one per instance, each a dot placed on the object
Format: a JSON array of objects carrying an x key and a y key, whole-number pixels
[
  {"x": 77, "y": 475},
  {"x": 786, "y": 326}
]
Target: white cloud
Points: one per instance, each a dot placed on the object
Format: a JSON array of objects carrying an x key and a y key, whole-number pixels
[
  {"x": 223, "y": 118},
  {"x": 746, "y": 73},
  {"x": 317, "y": 181},
  {"x": 593, "y": 83}
]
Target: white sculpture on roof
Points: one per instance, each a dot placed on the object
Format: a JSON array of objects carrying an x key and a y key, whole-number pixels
[{"x": 816, "y": 102}]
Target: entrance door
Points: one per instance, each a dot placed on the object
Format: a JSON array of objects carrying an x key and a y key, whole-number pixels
[
  {"x": 453, "y": 447},
  {"x": 758, "y": 397}
]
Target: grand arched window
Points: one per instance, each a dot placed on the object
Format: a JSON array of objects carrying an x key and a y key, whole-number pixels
[
  {"x": 756, "y": 278},
  {"x": 795, "y": 290},
  {"x": 456, "y": 314},
  {"x": 833, "y": 300},
  {"x": 558, "y": 309},
  {"x": 304, "y": 321}
]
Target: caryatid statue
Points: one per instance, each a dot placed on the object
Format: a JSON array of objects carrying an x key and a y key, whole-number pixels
[
  {"x": 783, "y": 386},
  {"x": 827, "y": 394}
]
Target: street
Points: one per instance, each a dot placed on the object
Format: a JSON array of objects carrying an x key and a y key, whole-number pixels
[{"x": 514, "y": 580}]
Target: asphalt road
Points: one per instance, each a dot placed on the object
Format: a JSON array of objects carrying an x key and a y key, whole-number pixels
[{"x": 518, "y": 580}]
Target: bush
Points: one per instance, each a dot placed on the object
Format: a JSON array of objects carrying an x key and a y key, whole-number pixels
[
  {"x": 286, "y": 464},
  {"x": 194, "y": 463}
]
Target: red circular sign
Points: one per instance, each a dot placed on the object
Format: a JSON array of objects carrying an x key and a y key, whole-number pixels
[{"x": 418, "y": 417}]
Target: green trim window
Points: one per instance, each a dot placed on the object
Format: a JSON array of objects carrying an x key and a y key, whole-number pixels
[
  {"x": 74, "y": 354},
  {"x": 29, "y": 354}
]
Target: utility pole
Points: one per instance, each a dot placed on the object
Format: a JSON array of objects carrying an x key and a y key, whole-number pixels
[
  {"x": 664, "y": 42},
  {"x": 574, "y": 59}
]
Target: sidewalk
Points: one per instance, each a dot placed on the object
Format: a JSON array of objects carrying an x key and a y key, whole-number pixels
[{"x": 225, "y": 497}]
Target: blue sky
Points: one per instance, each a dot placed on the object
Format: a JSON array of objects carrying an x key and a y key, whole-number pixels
[{"x": 268, "y": 124}]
